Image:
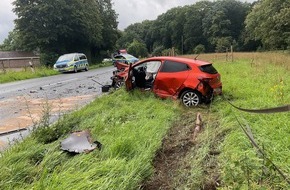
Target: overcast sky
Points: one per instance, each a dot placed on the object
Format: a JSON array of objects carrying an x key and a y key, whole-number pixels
[{"x": 129, "y": 11}]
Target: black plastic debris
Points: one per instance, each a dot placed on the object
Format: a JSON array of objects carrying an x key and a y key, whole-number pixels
[{"x": 80, "y": 142}]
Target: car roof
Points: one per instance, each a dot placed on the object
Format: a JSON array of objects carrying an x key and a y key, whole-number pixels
[
  {"x": 179, "y": 59},
  {"x": 126, "y": 55},
  {"x": 73, "y": 54}
]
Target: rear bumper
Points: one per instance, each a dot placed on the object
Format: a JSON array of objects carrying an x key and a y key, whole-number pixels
[{"x": 217, "y": 91}]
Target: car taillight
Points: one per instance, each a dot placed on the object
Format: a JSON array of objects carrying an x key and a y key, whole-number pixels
[{"x": 207, "y": 80}]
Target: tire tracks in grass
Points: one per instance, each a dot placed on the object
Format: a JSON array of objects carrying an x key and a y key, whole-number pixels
[{"x": 173, "y": 161}]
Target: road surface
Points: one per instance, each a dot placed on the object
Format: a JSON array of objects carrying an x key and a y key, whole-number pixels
[{"x": 23, "y": 103}]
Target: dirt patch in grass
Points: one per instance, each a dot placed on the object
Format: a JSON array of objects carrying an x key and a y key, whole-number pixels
[
  {"x": 172, "y": 167},
  {"x": 27, "y": 110}
]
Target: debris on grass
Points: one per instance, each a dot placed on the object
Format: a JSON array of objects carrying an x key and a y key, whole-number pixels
[{"x": 80, "y": 142}]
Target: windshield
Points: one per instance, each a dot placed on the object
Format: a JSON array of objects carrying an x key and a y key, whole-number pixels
[
  {"x": 66, "y": 57},
  {"x": 128, "y": 56}
]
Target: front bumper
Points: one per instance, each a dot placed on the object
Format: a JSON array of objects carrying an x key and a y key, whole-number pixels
[{"x": 65, "y": 69}]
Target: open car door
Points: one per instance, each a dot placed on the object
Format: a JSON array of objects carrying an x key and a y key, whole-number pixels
[
  {"x": 128, "y": 80},
  {"x": 121, "y": 66}
]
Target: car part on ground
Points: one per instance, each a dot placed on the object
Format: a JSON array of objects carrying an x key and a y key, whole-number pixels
[
  {"x": 72, "y": 62},
  {"x": 193, "y": 81},
  {"x": 80, "y": 142},
  {"x": 105, "y": 88}
]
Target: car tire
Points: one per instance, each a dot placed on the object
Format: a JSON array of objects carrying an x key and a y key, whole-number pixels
[
  {"x": 75, "y": 69},
  {"x": 118, "y": 84},
  {"x": 86, "y": 68},
  {"x": 190, "y": 98}
]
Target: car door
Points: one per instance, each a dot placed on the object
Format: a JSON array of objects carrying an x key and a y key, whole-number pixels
[
  {"x": 170, "y": 78},
  {"x": 128, "y": 79},
  {"x": 77, "y": 61}
]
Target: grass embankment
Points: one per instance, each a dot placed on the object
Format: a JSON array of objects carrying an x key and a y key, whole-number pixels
[
  {"x": 129, "y": 125},
  {"x": 255, "y": 81}
]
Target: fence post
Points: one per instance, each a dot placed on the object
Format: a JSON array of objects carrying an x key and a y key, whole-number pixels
[
  {"x": 232, "y": 53},
  {"x": 3, "y": 67}
]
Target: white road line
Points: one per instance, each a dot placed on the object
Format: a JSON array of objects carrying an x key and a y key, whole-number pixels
[{"x": 60, "y": 82}]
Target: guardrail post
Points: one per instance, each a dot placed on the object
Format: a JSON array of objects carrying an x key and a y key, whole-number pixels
[{"x": 3, "y": 67}]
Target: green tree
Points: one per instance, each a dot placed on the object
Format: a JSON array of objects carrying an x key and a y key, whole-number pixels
[
  {"x": 199, "y": 49},
  {"x": 60, "y": 26},
  {"x": 193, "y": 26},
  {"x": 269, "y": 21},
  {"x": 110, "y": 32},
  {"x": 12, "y": 42},
  {"x": 225, "y": 20},
  {"x": 138, "y": 49}
]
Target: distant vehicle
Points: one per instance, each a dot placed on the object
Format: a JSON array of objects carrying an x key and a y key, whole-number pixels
[
  {"x": 123, "y": 59},
  {"x": 107, "y": 60},
  {"x": 72, "y": 62},
  {"x": 193, "y": 81}
]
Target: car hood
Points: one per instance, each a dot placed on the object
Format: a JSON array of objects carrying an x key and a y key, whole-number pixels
[{"x": 62, "y": 62}]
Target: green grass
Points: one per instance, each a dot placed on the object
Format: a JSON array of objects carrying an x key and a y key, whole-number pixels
[
  {"x": 11, "y": 76},
  {"x": 254, "y": 85},
  {"x": 129, "y": 125}
]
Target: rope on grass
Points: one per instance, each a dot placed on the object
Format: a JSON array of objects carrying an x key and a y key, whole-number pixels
[
  {"x": 250, "y": 135},
  {"x": 284, "y": 108},
  {"x": 253, "y": 142}
]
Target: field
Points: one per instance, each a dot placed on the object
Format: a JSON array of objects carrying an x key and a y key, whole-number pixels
[{"x": 148, "y": 142}]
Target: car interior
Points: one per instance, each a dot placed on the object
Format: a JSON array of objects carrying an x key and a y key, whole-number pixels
[{"x": 144, "y": 74}]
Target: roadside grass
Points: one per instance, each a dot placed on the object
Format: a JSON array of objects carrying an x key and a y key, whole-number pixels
[
  {"x": 130, "y": 127},
  {"x": 27, "y": 73},
  {"x": 259, "y": 81},
  {"x": 11, "y": 75}
]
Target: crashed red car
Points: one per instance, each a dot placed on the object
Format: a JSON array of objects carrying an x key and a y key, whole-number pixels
[{"x": 191, "y": 80}]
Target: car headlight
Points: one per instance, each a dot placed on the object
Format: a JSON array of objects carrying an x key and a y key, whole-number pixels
[{"x": 69, "y": 64}]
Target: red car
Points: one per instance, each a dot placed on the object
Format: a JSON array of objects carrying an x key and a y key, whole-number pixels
[{"x": 191, "y": 80}]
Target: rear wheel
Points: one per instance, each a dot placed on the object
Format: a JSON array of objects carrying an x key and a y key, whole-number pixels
[
  {"x": 75, "y": 69},
  {"x": 190, "y": 98},
  {"x": 86, "y": 68}
]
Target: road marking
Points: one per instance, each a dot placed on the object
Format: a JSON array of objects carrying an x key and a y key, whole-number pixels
[{"x": 60, "y": 82}]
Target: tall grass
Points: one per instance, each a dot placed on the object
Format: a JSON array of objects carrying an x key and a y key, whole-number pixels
[
  {"x": 129, "y": 125},
  {"x": 254, "y": 82}
]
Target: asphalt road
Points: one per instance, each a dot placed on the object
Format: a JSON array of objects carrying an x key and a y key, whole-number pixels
[{"x": 23, "y": 103}]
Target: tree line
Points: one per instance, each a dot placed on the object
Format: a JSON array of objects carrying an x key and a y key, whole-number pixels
[
  {"x": 214, "y": 27},
  {"x": 56, "y": 27},
  {"x": 90, "y": 26}
]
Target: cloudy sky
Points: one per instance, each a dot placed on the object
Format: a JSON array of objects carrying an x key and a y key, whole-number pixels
[{"x": 129, "y": 11}]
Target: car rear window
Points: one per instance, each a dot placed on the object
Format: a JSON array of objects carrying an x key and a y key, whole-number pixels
[
  {"x": 171, "y": 66},
  {"x": 208, "y": 69}
]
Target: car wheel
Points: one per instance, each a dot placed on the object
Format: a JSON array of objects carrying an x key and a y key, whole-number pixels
[
  {"x": 190, "y": 98},
  {"x": 118, "y": 84},
  {"x": 86, "y": 68},
  {"x": 75, "y": 69}
]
